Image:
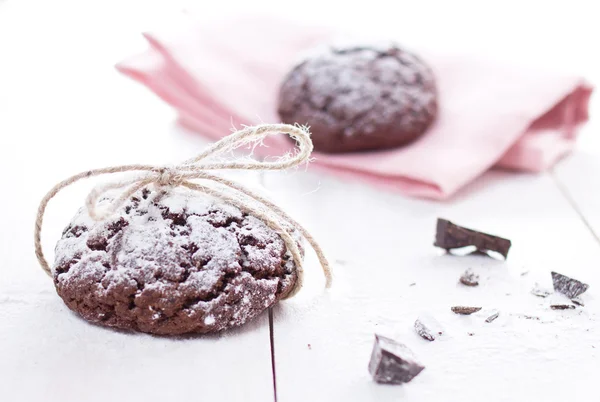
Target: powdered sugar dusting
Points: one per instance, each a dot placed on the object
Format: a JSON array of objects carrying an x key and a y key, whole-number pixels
[
  {"x": 172, "y": 263},
  {"x": 353, "y": 91}
]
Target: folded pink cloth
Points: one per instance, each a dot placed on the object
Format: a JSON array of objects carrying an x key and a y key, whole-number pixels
[{"x": 219, "y": 75}]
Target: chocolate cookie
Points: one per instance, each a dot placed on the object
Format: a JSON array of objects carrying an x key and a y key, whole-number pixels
[
  {"x": 172, "y": 263},
  {"x": 360, "y": 98}
]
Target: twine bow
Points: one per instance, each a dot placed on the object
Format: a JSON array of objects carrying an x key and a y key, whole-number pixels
[{"x": 226, "y": 190}]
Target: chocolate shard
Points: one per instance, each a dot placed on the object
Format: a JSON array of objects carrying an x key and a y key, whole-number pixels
[
  {"x": 423, "y": 331},
  {"x": 578, "y": 301},
  {"x": 568, "y": 286},
  {"x": 539, "y": 291},
  {"x": 463, "y": 310},
  {"x": 392, "y": 362},
  {"x": 469, "y": 278},
  {"x": 492, "y": 317},
  {"x": 530, "y": 317},
  {"x": 562, "y": 306},
  {"x": 450, "y": 236}
]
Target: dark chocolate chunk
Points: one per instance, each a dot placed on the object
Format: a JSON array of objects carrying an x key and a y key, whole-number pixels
[
  {"x": 568, "y": 286},
  {"x": 562, "y": 306},
  {"x": 465, "y": 310},
  {"x": 450, "y": 236},
  {"x": 392, "y": 362},
  {"x": 492, "y": 317},
  {"x": 423, "y": 331},
  {"x": 577, "y": 301},
  {"x": 469, "y": 278},
  {"x": 539, "y": 291}
]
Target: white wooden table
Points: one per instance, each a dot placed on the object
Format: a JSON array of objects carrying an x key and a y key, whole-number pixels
[{"x": 64, "y": 109}]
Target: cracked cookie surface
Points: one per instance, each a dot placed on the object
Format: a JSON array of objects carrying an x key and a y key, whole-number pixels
[
  {"x": 360, "y": 98},
  {"x": 172, "y": 263}
]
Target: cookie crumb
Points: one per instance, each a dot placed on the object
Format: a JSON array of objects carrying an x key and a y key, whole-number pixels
[
  {"x": 423, "y": 331},
  {"x": 492, "y": 317},
  {"x": 539, "y": 291},
  {"x": 562, "y": 307},
  {"x": 469, "y": 278},
  {"x": 463, "y": 310}
]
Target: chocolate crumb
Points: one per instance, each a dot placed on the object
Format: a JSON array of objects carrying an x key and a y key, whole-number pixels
[
  {"x": 450, "y": 236},
  {"x": 539, "y": 291},
  {"x": 392, "y": 362},
  {"x": 309, "y": 347},
  {"x": 423, "y": 331},
  {"x": 463, "y": 310},
  {"x": 471, "y": 333},
  {"x": 492, "y": 317},
  {"x": 562, "y": 307},
  {"x": 469, "y": 278},
  {"x": 568, "y": 286},
  {"x": 578, "y": 301}
]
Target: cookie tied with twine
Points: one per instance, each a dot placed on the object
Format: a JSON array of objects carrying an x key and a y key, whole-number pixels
[{"x": 105, "y": 204}]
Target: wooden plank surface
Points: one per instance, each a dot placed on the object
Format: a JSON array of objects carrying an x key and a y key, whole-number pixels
[
  {"x": 59, "y": 94},
  {"x": 64, "y": 109},
  {"x": 578, "y": 178},
  {"x": 49, "y": 354},
  {"x": 383, "y": 245}
]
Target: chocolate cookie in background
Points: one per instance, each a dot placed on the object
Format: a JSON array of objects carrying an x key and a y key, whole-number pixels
[
  {"x": 360, "y": 98},
  {"x": 172, "y": 264}
]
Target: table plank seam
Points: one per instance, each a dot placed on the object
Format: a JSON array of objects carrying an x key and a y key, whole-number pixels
[
  {"x": 562, "y": 188},
  {"x": 272, "y": 342}
]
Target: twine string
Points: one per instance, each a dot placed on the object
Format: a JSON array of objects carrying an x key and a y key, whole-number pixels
[{"x": 227, "y": 190}]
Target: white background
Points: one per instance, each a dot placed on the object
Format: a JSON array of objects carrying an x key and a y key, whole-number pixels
[{"x": 63, "y": 109}]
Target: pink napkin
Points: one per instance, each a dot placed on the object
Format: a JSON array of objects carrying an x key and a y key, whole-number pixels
[{"x": 219, "y": 75}]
